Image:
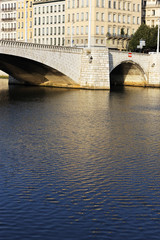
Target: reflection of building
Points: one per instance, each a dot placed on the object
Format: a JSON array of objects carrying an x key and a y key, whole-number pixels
[
  {"x": 24, "y": 20},
  {"x": 152, "y": 12},
  {"x": 8, "y": 20},
  {"x": 112, "y": 22},
  {"x": 49, "y": 22}
]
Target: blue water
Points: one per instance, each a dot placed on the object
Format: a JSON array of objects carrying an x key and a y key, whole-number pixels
[{"x": 79, "y": 165}]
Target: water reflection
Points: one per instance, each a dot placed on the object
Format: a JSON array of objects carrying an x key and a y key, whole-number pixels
[{"x": 78, "y": 164}]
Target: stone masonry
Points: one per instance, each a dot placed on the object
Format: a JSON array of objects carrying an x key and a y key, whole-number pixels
[{"x": 76, "y": 67}]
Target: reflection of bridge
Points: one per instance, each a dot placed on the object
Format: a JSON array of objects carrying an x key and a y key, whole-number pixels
[{"x": 93, "y": 68}]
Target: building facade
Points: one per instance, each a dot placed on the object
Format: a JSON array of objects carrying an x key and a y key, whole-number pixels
[
  {"x": 24, "y": 20},
  {"x": 101, "y": 22},
  {"x": 49, "y": 22},
  {"x": 8, "y": 20},
  {"x": 152, "y": 12}
]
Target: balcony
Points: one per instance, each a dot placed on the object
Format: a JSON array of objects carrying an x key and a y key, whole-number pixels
[
  {"x": 8, "y": 19},
  {"x": 8, "y": 29},
  {"x": 8, "y": 9},
  {"x": 118, "y": 36},
  {"x": 9, "y": 39}
]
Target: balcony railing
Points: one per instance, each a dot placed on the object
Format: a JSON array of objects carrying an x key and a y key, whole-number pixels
[
  {"x": 8, "y": 19},
  {"x": 117, "y": 36},
  {"x": 8, "y": 39},
  {"x": 8, "y": 9},
  {"x": 8, "y": 29}
]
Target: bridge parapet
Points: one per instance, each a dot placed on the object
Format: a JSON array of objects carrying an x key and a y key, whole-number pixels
[
  {"x": 36, "y": 46},
  {"x": 77, "y": 67}
]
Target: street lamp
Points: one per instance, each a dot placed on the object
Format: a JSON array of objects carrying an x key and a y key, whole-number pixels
[
  {"x": 89, "y": 29},
  {"x": 158, "y": 38},
  {"x": 72, "y": 33},
  {"x": 26, "y": 26}
]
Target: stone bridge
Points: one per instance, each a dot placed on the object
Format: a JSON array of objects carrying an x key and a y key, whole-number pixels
[{"x": 95, "y": 68}]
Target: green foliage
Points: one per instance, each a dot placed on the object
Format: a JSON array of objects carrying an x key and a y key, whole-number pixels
[{"x": 146, "y": 33}]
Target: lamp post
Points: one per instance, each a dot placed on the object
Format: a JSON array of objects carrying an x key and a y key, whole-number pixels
[
  {"x": 72, "y": 34},
  {"x": 158, "y": 38},
  {"x": 89, "y": 28},
  {"x": 26, "y": 6}
]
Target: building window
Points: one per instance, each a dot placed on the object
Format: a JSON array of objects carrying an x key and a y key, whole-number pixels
[
  {"x": 102, "y": 3},
  {"x": 119, "y": 5},
  {"x": 51, "y": 19},
  {"x": 63, "y": 18},
  {"x": 73, "y": 3},
  {"x": 114, "y": 4},
  {"x": 114, "y": 17},
  {"x": 77, "y": 17},
  {"x": 82, "y": 3},
  {"x": 133, "y": 19},
  {"x": 59, "y": 30},
  {"x": 86, "y": 29},
  {"x": 77, "y": 30},
  {"x": 63, "y": 30},
  {"x": 77, "y": 3},
  {"x": 86, "y": 3},
  {"x": 97, "y": 30},
  {"x": 51, "y": 30},
  {"x": 102, "y": 30},
  {"x": 86, "y": 16},
  {"x": 109, "y": 17},
  {"x": 128, "y": 19},
  {"x": 55, "y": 30},
  {"x": 68, "y": 30},
  {"x": 82, "y": 30},
  {"x": 109, "y": 3},
  {"x": 68, "y": 17},
  {"x": 134, "y": 7},
  {"x": 102, "y": 17},
  {"x": 119, "y": 18},
  {"x": 129, "y": 6},
  {"x": 97, "y": 16},
  {"x": 123, "y": 18},
  {"x": 82, "y": 16}
]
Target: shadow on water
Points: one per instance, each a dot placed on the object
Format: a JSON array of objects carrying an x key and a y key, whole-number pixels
[
  {"x": 118, "y": 89},
  {"x": 33, "y": 93}
]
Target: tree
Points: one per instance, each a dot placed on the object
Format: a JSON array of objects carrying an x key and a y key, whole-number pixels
[{"x": 146, "y": 33}]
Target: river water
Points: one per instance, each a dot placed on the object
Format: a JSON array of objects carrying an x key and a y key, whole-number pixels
[{"x": 79, "y": 164}]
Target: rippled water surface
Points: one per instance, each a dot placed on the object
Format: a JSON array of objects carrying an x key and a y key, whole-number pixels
[{"x": 79, "y": 165}]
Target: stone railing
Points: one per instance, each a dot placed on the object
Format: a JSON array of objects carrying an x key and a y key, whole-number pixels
[{"x": 36, "y": 46}]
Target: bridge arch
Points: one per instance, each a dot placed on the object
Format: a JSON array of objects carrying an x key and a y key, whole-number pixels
[
  {"x": 128, "y": 73},
  {"x": 32, "y": 72}
]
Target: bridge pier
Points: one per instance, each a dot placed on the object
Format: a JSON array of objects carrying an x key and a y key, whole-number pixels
[
  {"x": 154, "y": 70},
  {"x": 95, "y": 68}
]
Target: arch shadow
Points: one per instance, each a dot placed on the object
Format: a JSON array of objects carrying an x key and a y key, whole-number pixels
[
  {"x": 128, "y": 73},
  {"x": 33, "y": 73}
]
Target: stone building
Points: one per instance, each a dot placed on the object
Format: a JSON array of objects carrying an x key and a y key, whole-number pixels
[
  {"x": 24, "y": 20},
  {"x": 101, "y": 22},
  {"x": 49, "y": 22},
  {"x": 8, "y": 20},
  {"x": 152, "y": 12}
]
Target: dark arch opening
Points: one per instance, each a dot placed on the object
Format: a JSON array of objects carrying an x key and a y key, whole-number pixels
[
  {"x": 127, "y": 74},
  {"x": 32, "y": 72}
]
